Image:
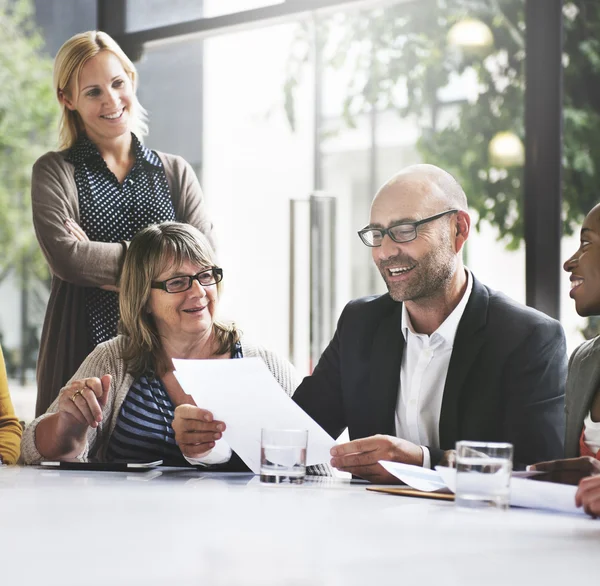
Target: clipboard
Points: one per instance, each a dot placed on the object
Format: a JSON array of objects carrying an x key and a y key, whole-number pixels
[{"x": 406, "y": 491}]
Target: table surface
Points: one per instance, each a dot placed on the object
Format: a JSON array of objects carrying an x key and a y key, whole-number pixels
[{"x": 191, "y": 527}]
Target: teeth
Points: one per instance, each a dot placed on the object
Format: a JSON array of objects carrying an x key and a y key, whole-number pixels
[
  {"x": 576, "y": 283},
  {"x": 400, "y": 270},
  {"x": 113, "y": 116}
]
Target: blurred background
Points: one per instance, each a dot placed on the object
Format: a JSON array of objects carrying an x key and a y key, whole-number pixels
[{"x": 293, "y": 113}]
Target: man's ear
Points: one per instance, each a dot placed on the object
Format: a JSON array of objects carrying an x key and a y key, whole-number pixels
[
  {"x": 62, "y": 97},
  {"x": 463, "y": 227}
]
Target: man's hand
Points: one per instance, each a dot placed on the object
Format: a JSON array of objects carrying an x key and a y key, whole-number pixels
[
  {"x": 568, "y": 471},
  {"x": 360, "y": 457}
]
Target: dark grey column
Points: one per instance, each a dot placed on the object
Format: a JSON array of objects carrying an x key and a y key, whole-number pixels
[
  {"x": 112, "y": 16},
  {"x": 543, "y": 142}
]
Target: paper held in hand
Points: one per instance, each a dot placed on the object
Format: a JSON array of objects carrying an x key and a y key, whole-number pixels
[
  {"x": 532, "y": 494},
  {"x": 244, "y": 394}
]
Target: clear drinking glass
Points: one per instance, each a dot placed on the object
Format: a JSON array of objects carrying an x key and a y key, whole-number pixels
[
  {"x": 483, "y": 473},
  {"x": 283, "y": 455}
]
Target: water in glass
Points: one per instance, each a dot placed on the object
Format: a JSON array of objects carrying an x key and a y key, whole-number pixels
[
  {"x": 483, "y": 482},
  {"x": 280, "y": 464}
]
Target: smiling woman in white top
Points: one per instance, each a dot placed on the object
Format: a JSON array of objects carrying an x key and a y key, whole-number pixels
[{"x": 582, "y": 404}]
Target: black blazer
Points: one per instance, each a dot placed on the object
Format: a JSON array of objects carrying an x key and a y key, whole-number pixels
[{"x": 505, "y": 381}]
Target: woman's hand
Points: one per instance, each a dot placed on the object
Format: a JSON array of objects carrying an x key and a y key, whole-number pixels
[
  {"x": 196, "y": 431},
  {"x": 568, "y": 471},
  {"x": 588, "y": 495},
  {"x": 78, "y": 233},
  {"x": 76, "y": 230},
  {"x": 81, "y": 401}
]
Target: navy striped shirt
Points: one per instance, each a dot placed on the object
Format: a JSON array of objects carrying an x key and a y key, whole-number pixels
[{"x": 144, "y": 431}]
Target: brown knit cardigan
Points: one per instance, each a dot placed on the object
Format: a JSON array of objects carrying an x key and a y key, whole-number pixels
[{"x": 76, "y": 265}]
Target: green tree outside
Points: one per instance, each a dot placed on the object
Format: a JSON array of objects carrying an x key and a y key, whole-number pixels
[
  {"x": 401, "y": 58},
  {"x": 28, "y": 128}
]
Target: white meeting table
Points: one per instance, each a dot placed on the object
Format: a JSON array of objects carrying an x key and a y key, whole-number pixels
[{"x": 187, "y": 527}]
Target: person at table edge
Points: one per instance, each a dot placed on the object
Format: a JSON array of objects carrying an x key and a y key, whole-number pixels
[{"x": 582, "y": 403}]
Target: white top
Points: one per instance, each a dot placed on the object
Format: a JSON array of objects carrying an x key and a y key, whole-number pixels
[
  {"x": 591, "y": 434},
  {"x": 423, "y": 373}
]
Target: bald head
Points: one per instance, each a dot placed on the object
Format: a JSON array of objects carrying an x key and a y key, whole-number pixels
[{"x": 435, "y": 187}]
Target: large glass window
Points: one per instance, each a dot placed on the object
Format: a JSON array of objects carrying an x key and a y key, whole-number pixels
[{"x": 337, "y": 103}]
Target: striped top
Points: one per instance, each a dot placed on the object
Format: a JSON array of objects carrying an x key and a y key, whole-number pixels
[{"x": 143, "y": 431}]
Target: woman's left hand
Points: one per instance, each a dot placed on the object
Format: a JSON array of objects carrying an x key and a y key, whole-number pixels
[
  {"x": 196, "y": 431},
  {"x": 567, "y": 471},
  {"x": 588, "y": 495},
  {"x": 76, "y": 230}
]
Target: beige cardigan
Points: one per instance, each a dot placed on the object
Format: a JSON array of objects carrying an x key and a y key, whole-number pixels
[
  {"x": 106, "y": 359},
  {"x": 76, "y": 265}
]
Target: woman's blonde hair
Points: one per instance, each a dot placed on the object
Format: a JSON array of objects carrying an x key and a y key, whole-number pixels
[
  {"x": 69, "y": 62},
  {"x": 152, "y": 250}
]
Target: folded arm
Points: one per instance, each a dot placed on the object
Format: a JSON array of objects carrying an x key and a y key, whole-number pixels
[{"x": 81, "y": 262}]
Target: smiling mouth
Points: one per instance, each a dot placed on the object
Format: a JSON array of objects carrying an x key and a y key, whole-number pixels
[
  {"x": 194, "y": 309},
  {"x": 114, "y": 116},
  {"x": 575, "y": 283},
  {"x": 396, "y": 271}
]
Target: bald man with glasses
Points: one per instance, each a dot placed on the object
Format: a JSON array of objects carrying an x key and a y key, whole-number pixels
[{"x": 440, "y": 357}]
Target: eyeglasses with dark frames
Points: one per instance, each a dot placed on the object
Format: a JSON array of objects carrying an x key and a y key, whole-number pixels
[
  {"x": 182, "y": 283},
  {"x": 400, "y": 232}
]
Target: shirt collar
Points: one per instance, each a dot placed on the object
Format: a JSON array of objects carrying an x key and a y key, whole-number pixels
[
  {"x": 85, "y": 151},
  {"x": 447, "y": 330}
]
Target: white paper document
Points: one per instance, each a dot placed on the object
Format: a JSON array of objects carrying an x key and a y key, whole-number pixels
[
  {"x": 244, "y": 394},
  {"x": 416, "y": 476},
  {"x": 532, "y": 494}
]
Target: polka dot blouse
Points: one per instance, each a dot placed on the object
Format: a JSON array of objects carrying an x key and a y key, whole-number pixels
[{"x": 112, "y": 212}]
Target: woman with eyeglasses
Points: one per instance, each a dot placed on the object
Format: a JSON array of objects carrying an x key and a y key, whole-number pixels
[
  {"x": 90, "y": 198},
  {"x": 124, "y": 402}
]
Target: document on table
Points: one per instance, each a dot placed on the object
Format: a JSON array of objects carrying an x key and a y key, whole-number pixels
[
  {"x": 244, "y": 394},
  {"x": 524, "y": 492}
]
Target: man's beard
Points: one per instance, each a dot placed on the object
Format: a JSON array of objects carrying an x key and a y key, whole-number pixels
[{"x": 429, "y": 277}]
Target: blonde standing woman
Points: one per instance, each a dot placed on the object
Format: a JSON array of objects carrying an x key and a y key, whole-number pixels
[{"x": 92, "y": 196}]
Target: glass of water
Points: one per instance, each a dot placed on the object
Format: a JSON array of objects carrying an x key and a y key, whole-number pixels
[
  {"x": 483, "y": 473},
  {"x": 283, "y": 455}
]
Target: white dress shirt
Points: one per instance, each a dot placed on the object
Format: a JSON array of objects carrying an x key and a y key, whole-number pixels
[
  {"x": 425, "y": 362},
  {"x": 591, "y": 435}
]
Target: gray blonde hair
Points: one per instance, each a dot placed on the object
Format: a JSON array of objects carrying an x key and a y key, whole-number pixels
[
  {"x": 69, "y": 62},
  {"x": 152, "y": 250}
]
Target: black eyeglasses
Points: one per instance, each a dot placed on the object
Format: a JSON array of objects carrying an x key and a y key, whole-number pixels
[
  {"x": 184, "y": 282},
  {"x": 400, "y": 232}
]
